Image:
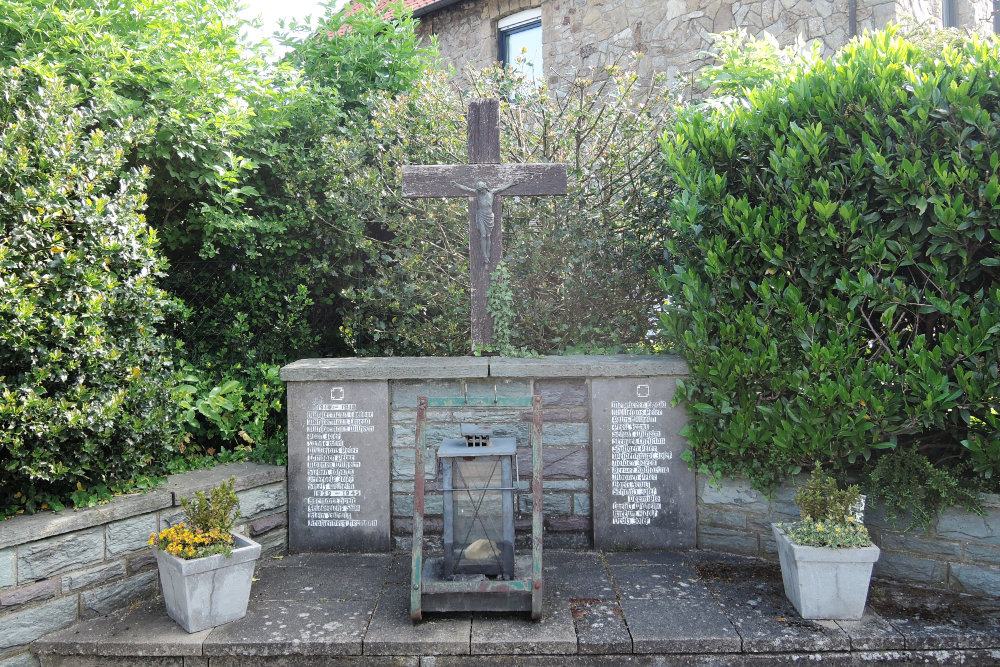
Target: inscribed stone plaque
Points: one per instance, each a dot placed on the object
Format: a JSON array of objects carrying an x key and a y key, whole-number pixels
[
  {"x": 644, "y": 494},
  {"x": 338, "y": 466}
]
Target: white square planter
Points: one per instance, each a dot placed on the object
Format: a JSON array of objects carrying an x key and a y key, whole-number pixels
[
  {"x": 205, "y": 592},
  {"x": 824, "y": 582}
]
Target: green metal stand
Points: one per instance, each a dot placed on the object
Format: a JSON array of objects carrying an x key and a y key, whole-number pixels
[{"x": 428, "y": 591}]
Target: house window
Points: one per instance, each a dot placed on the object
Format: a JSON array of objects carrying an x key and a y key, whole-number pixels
[
  {"x": 520, "y": 37},
  {"x": 949, "y": 13}
]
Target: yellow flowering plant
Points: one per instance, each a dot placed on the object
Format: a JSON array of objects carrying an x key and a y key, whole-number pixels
[
  {"x": 829, "y": 514},
  {"x": 187, "y": 543},
  {"x": 207, "y": 530}
]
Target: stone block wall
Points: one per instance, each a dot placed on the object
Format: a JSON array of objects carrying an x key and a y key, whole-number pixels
[
  {"x": 58, "y": 568},
  {"x": 672, "y": 34},
  {"x": 961, "y": 552}
]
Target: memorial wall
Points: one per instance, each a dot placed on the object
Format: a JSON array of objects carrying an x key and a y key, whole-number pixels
[{"x": 612, "y": 472}]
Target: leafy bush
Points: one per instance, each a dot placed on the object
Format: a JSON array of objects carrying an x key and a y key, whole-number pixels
[
  {"x": 217, "y": 511},
  {"x": 85, "y": 378},
  {"x": 834, "y": 285},
  {"x": 579, "y": 265},
  {"x": 822, "y": 500}
]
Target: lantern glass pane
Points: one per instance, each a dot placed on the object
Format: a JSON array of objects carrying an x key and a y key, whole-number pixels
[{"x": 478, "y": 515}]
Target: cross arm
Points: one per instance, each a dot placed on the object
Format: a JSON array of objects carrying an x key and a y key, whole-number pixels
[{"x": 436, "y": 180}]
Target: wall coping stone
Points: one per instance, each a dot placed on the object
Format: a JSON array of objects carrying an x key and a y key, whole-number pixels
[
  {"x": 25, "y": 528},
  {"x": 427, "y": 368},
  {"x": 385, "y": 368}
]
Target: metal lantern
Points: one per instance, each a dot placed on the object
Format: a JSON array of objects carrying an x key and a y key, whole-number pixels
[{"x": 477, "y": 477}]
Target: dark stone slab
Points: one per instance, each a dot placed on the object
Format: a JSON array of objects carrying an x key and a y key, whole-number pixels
[
  {"x": 317, "y": 584},
  {"x": 600, "y": 627},
  {"x": 264, "y": 524},
  {"x": 517, "y": 634},
  {"x": 643, "y": 493},
  {"x": 679, "y": 625},
  {"x": 338, "y": 466},
  {"x": 145, "y": 630},
  {"x": 568, "y": 393},
  {"x": 401, "y": 570},
  {"x": 574, "y": 575},
  {"x": 278, "y": 627},
  {"x": 42, "y": 590},
  {"x": 52, "y": 660},
  {"x": 557, "y": 462},
  {"x": 391, "y": 632}
]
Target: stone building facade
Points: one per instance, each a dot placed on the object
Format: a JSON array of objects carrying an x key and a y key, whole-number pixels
[{"x": 672, "y": 34}]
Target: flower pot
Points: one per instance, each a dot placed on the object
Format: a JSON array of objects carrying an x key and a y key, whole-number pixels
[
  {"x": 825, "y": 582},
  {"x": 204, "y": 592}
]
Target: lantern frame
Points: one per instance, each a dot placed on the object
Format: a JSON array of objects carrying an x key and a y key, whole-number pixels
[{"x": 430, "y": 589}]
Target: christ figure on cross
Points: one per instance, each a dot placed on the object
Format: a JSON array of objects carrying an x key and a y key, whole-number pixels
[{"x": 484, "y": 211}]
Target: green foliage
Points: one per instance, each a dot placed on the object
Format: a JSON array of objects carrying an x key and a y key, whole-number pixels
[
  {"x": 834, "y": 286},
  {"x": 914, "y": 492},
  {"x": 85, "y": 377},
  {"x": 233, "y": 416},
  {"x": 218, "y": 511},
  {"x": 360, "y": 50},
  {"x": 579, "y": 265},
  {"x": 821, "y": 500},
  {"x": 812, "y": 533},
  {"x": 743, "y": 63}
]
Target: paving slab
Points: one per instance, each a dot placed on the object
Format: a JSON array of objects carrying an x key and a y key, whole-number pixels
[
  {"x": 679, "y": 625},
  {"x": 517, "y": 634},
  {"x": 570, "y": 575},
  {"x": 275, "y": 627},
  {"x": 317, "y": 580},
  {"x": 391, "y": 632},
  {"x": 600, "y": 627},
  {"x": 872, "y": 633},
  {"x": 930, "y": 619},
  {"x": 143, "y": 631},
  {"x": 767, "y": 622},
  {"x": 665, "y": 581},
  {"x": 640, "y": 558},
  {"x": 316, "y": 661}
]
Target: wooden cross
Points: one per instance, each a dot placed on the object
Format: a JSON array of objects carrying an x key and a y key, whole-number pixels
[{"x": 484, "y": 180}]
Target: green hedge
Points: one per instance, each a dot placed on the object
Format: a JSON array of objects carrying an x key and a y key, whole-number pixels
[
  {"x": 85, "y": 383},
  {"x": 834, "y": 283}
]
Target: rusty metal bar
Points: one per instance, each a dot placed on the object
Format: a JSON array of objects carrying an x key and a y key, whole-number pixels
[
  {"x": 536, "y": 508},
  {"x": 417, "y": 539}
]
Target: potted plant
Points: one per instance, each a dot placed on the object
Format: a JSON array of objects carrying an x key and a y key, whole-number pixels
[
  {"x": 827, "y": 556},
  {"x": 205, "y": 569}
]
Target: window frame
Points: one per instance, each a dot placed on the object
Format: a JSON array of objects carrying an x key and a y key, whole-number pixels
[{"x": 524, "y": 21}]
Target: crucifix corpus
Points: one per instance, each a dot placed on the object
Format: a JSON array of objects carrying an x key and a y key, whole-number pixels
[{"x": 484, "y": 180}]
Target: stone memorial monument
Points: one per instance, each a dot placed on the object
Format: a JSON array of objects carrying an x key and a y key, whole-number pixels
[
  {"x": 644, "y": 494},
  {"x": 338, "y": 466}
]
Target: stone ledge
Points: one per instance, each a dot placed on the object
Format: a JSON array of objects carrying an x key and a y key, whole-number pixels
[
  {"x": 431, "y": 368},
  {"x": 25, "y": 528},
  {"x": 580, "y": 365},
  {"x": 248, "y": 476},
  {"x": 385, "y": 368},
  {"x": 31, "y": 528}
]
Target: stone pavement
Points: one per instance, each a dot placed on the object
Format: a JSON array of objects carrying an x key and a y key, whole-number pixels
[{"x": 641, "y": 608}]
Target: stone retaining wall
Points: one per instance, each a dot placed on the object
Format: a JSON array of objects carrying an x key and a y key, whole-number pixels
[
  {"x": 58, "y": 568},
  {"x": 961, "y": 553}
]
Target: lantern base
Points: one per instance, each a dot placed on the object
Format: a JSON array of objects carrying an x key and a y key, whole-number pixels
[{"x": 476, "y": 592}]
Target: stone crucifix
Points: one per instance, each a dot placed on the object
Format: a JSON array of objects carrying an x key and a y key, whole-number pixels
[{"x": 484, "y": 181}]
